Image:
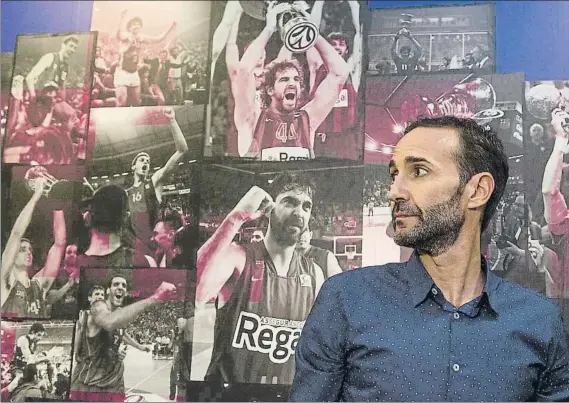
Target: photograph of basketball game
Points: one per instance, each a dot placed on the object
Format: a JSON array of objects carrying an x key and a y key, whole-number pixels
[
  {"x": 49, "y": 99},
  {"x": 393, "y": 102},
  {"x": 546, "y": 121},
  {"x": 270, "y": 236},
  {"x": 143, "y": 159},
  {"x": 418, "y": 40},
  {"x": 285, "y": 80},
  {"x": 36, "y": 360},
  {"x": 39, "y": 271},
  {"x": 150, "y": 53},
  {"x": 129, "y": 337}
]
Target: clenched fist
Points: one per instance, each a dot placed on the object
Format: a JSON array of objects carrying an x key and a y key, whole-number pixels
[{"x": 253, "y": 205}]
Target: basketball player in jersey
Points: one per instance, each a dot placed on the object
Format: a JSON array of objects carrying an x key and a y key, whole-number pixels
[
  {"x": 322, "y": 257},
  {"x": 344, "y": 113},
  {"x": 180, "y": 372},
  {"x": 22, "y": 296},
  {"x": 26, "y": 346},
  {"x": 106, "y": 216},
  {"x": 145, "y": 195},
  {"x": 98, "y": 374},
  {"x": 131, "y": 40},
  {"x": 406, "y": 62},
  {"x": 284, "y": 129},
  {"x": 264, "y": 290}
]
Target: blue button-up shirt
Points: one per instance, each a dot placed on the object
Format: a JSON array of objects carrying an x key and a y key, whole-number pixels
[{"x": 388, "y": 334}]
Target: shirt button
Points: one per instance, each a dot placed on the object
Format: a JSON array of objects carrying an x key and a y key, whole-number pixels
[
  {"x": 456, "y": 367},
  {"x": 434, "y": 291},
  {"x": 456, "y": 315}
]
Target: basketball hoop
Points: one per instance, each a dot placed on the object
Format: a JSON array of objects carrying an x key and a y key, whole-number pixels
[
  {"x": 350, "y": 251},
  {"x": 351, "y": 255}
]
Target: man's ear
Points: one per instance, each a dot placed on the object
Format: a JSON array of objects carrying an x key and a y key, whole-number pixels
[{"x": 480, "y": 188}]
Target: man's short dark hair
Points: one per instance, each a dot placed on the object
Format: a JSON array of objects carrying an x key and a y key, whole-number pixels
[
  {"x": 480, "y": 150},
  {"x": 37, "y": 328},
  {"x": 339, "y": 36},
  {"x": 71, "y": 38},
  {"x": 117, "y": 275},
  {"x": 286, "y": 181},
  {"x": 108, "y": 207},
  {"x": 95, "y": 288},
  {"x": 173, "y": 220}
]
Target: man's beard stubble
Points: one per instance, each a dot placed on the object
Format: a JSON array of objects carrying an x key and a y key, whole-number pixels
[
  {"x": 280, "y": 232},
  {"x": 437, "y": 227}
]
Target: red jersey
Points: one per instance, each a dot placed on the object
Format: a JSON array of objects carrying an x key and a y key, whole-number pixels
[
  {"x": 256, "y": 331},
  {"x": 25, "y": 302},
  {"x": 276, "y": 130},
  {"x": 344, "y": 113}
]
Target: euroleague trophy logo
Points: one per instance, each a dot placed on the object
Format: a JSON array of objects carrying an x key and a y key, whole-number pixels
[{"x": 297, "y": 31}]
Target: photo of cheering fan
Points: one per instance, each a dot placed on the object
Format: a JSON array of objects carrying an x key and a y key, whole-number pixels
[
  {"x": 288, "y": 85},
  {"x": 49, "y": 99}
]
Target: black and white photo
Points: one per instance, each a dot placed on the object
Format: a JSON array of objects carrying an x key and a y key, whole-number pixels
[
  {"x": 417, "y": 40},
  {"x": 49, "y": 99}
]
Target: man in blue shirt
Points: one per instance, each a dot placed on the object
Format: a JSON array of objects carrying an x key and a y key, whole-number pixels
[{"x": 440, "y": 327}]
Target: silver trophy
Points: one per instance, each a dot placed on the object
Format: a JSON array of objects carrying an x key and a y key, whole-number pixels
[{"x": 297, "y": 32}]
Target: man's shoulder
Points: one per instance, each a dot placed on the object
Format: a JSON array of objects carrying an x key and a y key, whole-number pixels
[{"x": 517, "y": 297}]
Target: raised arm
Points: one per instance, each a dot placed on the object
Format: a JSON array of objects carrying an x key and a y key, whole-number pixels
[
  {"x": 109, "y": 320},
  {"x": 231, "y": 49},
  {"x": 121, "y": 33},
  {"x": 53, "y": 261},
  {"x": 555, "y": 207},
  {"x": 36, "y": 72},
  {"x": 13, "y": 245},
  {"x": 162, "y": 36},
  {"x": 418, "y": 46},
  {"x": 355, "y": 59},
  {"x": 313, "y": 59},
  {"x": 220, "y": 257},
  {"x": 327, "y": 92},
  {"x": 181, "y": 148},
  {"x": 320, "y": 352}
]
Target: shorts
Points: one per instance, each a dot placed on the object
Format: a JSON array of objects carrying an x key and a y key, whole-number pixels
[{"x": 125, "y": 79}]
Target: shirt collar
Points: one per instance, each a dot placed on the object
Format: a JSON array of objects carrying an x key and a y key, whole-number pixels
[{"x": 421, "y": 283}]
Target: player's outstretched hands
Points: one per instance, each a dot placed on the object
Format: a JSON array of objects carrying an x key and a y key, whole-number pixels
[
  {"x": 274, "y": 8},
  {"x": 165, "y": 291},
  {"x": 254, "y": 204},
  {"x": 560, "y": 123},
  {"x": 169, "y": 113}
]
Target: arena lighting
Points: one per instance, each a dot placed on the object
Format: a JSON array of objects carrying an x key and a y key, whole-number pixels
[
  {"x": 192, "y": 161},
  {"x": 104, "y": 177},
  {"x": 387, "y": 149},
  {"x": 370, "y": 146},
  {"x": 116, "y": 175},
  {"x": 124, "y": 174},
  {"x": 94, "y": 177},
  {"x": 398, "y": 129}
]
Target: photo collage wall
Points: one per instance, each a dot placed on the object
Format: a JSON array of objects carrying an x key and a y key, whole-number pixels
[{"x": 182, "y": 178}]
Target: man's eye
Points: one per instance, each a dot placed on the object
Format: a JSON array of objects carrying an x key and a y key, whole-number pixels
[{"x": 419, "y": 172}]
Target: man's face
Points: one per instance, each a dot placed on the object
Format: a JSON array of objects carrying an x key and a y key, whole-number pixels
[
  {"x": 117, "y": 291},
  {"x": 98, "y": 294},
  {"x": 163, "y": 235},
  {"x": 98, "y": 52},
  {"x": 518, "y": 207},
  {"x": 24, "y": 258},
  {"x": 426, "y": 207},
  {"x": 71, "y": 255},
  {"x": 163, "y": 55},
  {"x": 69, "y": 48},
  {"x": 257, "y": 237},
  {"x": 405, "y": 53},
  {"x": 38, "y": 336},
  {"x": 175, "y": 51},
  {"x": 141, "y": 166},
  {"x": 304, "y": 242},
  {"x": 340, "y": 46},
  {"x": 290, "y": 216},
  {"x": 135, "y": 28},
  {"x": 287, "y": 89}
]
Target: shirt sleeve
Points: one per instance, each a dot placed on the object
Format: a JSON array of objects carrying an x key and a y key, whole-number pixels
[
  {"x": 320, "y": 353},
  {"x": 554, "y": 382}
]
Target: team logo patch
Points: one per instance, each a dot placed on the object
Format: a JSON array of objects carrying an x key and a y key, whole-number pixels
[
  {"x": 301, "y": 35},
  {"x": 305, "y": 280},
  {"x": 272, "y": 336}
]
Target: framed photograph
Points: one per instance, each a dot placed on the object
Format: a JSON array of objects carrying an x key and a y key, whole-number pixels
[
  {"x": 48, "y": 116},
  {"x": 272, "y": 97},
  {"x": 149, "y": 152},
  {"x": 143, "y": 355},
  {"x": 419, "y": 40},
  {"x": 36, "y": 360},
  {"x": 270, "y": 235},
  {"x": 150, "y": 53},
  {"x": 39, "y": 268}
]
